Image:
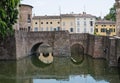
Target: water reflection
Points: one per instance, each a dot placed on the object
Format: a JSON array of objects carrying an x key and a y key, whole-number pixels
[
  {"x": 72, "y": 79},
  {"x": 62, "y": 70}
]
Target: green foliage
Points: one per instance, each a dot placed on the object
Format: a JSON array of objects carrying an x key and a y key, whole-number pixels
[
  {"x": 112, "y": 14},
  {"x": 8, "y": 16}
]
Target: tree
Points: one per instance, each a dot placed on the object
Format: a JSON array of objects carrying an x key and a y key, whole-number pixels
[
  {"x": 8, "y": 16},
  {"x": 112, "y": 14}
]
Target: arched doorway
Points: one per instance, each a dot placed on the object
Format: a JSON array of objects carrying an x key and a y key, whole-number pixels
[{"x": 77, "y": 53}]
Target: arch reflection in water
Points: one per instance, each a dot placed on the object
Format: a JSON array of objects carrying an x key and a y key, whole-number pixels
[
  {"x": 45, "y": 53},
  {"x": 36, "y": 62},
  {"x": 41, "y": 54},
  {"x": 77, "y": 53}
]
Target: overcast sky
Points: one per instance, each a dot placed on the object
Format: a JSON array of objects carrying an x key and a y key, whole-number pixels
[{"x": 53, "y": 7}]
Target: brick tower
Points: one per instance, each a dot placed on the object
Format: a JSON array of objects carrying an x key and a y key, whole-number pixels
[{"x": 117, "y": 4}]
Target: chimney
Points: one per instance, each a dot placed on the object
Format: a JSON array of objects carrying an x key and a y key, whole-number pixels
[{"x": 84, "y": 12}]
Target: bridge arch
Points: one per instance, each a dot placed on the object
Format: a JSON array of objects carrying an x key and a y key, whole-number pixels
[
  {"x": 77, "y": 53},
  {"x": 79, "y": 43},
  {"x": 35, "y": 47}
]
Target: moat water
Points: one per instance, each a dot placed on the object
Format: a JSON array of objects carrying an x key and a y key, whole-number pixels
[{"x": 61, "y": 70}]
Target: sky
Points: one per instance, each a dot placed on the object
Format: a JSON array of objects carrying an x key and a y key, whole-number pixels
[{"x": 55, "y": 7}]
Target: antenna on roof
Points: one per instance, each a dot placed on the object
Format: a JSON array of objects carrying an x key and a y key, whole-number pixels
[
  {"x": 60, "y": 10},
  {"x": 101, "y": 15},
  {"x": 84, "y": 9}
]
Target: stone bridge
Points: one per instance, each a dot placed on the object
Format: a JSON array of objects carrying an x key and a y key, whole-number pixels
[
  {"x": 26, "y": 43},
  {"x": 61, "y": 42}
]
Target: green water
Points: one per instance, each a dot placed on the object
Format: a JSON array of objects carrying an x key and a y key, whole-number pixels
[{"x": 62, "y": 70}]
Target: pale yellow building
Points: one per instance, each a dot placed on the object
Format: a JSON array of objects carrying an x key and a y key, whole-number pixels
[
  {"x": 53, "y": 23},
  {"x": 74, "y": 23},
  {"x": 68, "y": 22},
  {"x": 46, "y": 23},
  {"x": 105, "y": 28}
]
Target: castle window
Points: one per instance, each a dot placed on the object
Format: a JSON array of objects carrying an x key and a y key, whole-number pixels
[
  {"x": 91, "y": 23},
  {"x": 85, "y": 30},
  {"x": 103, "y": 29},
  {"x": 111, "y": 30},
  {"x": 114, "y": 30},
  {"x": 50, "y": 22},
  {"x": 71, "y": 29},
  {"x": 58, "y": 22},
  {"x": 36, "y": 29},
  {"x": 47, "y": 29},
  {"x": 35, "y": 22},
  {"x": 78, "y": 23},
  {"x": 96, "y": 30},
  {"x": 46, "y": 22},
  {"x": 91, "y": 30},
  {"x": 41, "y": 22},
  {"x": 84, "y": 23},
  {"x": 29, "y": 19}
]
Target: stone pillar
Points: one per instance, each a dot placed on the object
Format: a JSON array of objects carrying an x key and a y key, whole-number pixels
[
  {"x": 112, "y": 54},
  {"x": 61, "y": 44},
  {"x": 117, "y": 4},
  {"x": 118, "y": 48}
]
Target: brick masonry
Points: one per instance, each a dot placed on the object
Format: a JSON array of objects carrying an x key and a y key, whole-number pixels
[
  {"x": 8, "y": 48},
  {"x": 117, "y": 5}
]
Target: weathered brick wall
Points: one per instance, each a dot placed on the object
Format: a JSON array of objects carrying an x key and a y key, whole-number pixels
[
  {"x": 117, "y": 4},
  {"x": 7, "y": 48},
  {"x": 21, "y": 44},
  {"x": 90, "y": 45},
  {"x": 101, "y": 47},
  {"x": 61, "y": 44},
  {"x": 112, "y": 54},
  {"x": 58, "y": 40},
  {"x": 81, "y": 39},
  {"x": 118, "y": 48},
  {"x": 24, "y": 11}
]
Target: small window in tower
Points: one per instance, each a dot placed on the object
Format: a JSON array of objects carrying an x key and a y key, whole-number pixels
[{"x": 29, "y": 18}]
